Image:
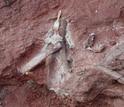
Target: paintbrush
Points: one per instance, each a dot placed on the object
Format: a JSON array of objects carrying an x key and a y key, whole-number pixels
[{"x": 56, "y": 23}]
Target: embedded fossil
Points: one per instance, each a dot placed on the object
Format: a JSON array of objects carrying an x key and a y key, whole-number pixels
[{"x": 89, "y": 41}]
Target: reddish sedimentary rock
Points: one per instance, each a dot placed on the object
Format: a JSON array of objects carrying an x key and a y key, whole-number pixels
[
  {"x": 24, "y": 25},
  {"x": 112, "y": 43}
]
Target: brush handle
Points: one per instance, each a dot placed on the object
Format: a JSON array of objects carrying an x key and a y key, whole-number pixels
[
  {"x": 29, "y": 73},
  {"x": 59, "y": 15}
]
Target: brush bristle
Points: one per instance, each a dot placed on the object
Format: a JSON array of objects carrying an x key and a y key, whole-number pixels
[
  {"x": 56, "y": 24},
  {"x": 55, "y": 28}
]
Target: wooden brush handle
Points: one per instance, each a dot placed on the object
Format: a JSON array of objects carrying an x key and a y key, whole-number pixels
[{"x": 59, "y": 15}]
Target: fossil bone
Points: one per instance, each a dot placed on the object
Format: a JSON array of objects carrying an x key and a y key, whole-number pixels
[{"x": 40, "y": 57}]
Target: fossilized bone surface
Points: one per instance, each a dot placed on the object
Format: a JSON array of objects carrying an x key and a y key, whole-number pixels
[
  {"x": 113, "y": 54},
  {"x": 40, "y": 57},
  {"x": 96, "y": 78},
  {"x": 58, "y": 69}
]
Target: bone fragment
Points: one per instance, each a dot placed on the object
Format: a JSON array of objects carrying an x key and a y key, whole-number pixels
[
  {"x": 62, "y": 32},
  {"x": 112, "y": 73},
  {"x": 40, "y": 57},
  {"x": 89, "y": 41},
  {"x": 115, "y": 52}
]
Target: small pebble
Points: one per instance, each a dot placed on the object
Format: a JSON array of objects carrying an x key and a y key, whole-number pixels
[{"x": 70, "y": 70}]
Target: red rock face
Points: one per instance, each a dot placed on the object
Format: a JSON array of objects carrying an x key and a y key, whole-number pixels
[{"x": 95, "y": 79}]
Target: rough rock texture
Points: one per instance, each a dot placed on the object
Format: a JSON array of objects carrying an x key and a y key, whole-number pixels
[{"x": 96, "y": 79}]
